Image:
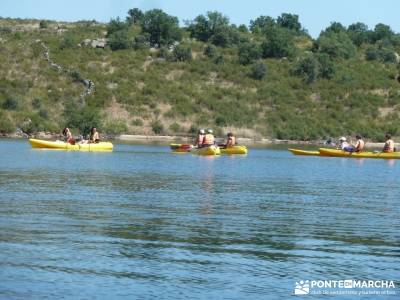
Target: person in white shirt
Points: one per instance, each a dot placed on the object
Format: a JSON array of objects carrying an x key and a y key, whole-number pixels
[{"x": 344, "y": 145}]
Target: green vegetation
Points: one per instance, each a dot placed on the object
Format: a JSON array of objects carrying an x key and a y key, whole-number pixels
[{"x": 270, "y": 79}]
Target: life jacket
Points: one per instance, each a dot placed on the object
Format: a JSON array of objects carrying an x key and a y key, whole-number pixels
[
  {"x": 208, "y": 139},
  {"x": 200, "y": 140},
  {"x": 389, "y": 146}
]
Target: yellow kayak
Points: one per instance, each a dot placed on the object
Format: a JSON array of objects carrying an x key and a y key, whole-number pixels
[
  {"x": 212, "y": 150},
  {"x": 60, "y": 145},
  {"x": 304, "y": 152},
  {"x": 341, "y": 153},
  {"x": 238, "y": 149}
]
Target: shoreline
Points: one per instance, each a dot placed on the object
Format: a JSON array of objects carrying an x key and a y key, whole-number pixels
[{"x": 168, "y": 139}]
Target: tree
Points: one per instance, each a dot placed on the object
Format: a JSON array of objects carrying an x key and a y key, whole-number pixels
[
  {"x": 204, "y": 28},
  {"x": 289, "y": 21},
  {"x": 119, "y": 40},
  {"x": 225, "y": 37},
  {"x": 382, "y": 32},
  {"x": 262, "y": 24},
  {"x": 248, "y": 52},
  {"x": 258, "y": 71},
  {"x": 116, "y": 25},
  {"x": 278, "y": 43},
  {"x": 162, "y": 28},
  {"x": 135, "y": 16},
  {"x": 336, "y": 44},
  {"x": 335, "y": 27},
  {"x": 82, "y": 118},
  {"x": 358, "y": 33},
  {"x": 308, "y": 66},
  {"x": 326, "y": 66}
]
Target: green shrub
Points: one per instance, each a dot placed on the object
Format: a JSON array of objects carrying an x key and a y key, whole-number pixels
[
  {"x": 258, "y": 71},
  {"x": 175, "y": 127},
  {"x": 157, "y": 127},
  {"x": 248, "y": 52},
  {"x": 43, "y": 24},
  {"x": 115, "y": 127},
  {"x": 36, "y": 103},
  {"x": 182, "y": 53},
  {"x": 137, "y": 122},
  {"x": 6, "y": 126},
  {"x": 82, "y": 118},
  {"x": 10, "y": 103},
  {"x": 210, "y": 51},
  {"x": 119, "y": 40}
]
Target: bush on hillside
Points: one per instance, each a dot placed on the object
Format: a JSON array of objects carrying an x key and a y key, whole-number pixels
[
  {"x": 157, "y": 127},
  {"x": 278, "y": 43},
  {"x": 182, "y": 53},
  {"x": 258, "y": 71},
  {"x": 162, "y": 28},
  {"x": 11, "y": 103},
  {"x": 83, "y": 118},
  {"x": 336, "y": 44},
  {"x": 248, "y": 52},
  {"x": 6, "y": 126}
]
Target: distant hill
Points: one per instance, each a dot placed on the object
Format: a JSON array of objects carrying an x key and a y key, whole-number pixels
[{"x": 147, "y": 75}]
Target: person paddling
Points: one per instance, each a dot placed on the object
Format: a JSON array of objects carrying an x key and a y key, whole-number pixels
[
  {"x": 389, "y": 144},
  {"x": 359, "y": 144},
  {"x": 67, "y": 135},
  {"x": 94, "y": 136},
  {"x": 200, "y": 138},
  {"x": 209, "y": 139}
]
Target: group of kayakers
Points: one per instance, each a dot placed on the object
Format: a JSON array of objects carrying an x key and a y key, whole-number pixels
[
  {"x": 94, "y": 136},
  {"x": 360, "y": 143},
  {"x": 207, "y": 139}
]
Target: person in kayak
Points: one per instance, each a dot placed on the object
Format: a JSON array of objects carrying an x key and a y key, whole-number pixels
[
  {"x": 209, "y": 139},
  {"x": 67, "y": 135},
  {"x": 344, "y": 145},
  {"x": 230, "y": 141},
  {"x": 94, "y": 136},
  {"x": 200, "y": 138},
  {"x": 359, "y": 144},
  {"x": 389, "y": 144}
]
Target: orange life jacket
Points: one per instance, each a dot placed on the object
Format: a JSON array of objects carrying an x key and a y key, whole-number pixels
[
  {"x": 208, "y": 139},
  {"x": 200, "y": 140}
]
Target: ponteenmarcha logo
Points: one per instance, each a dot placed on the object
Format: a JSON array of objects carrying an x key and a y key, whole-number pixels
[
  {"x": 302, "y": 288},
  {"x": 348, "y": 286}
]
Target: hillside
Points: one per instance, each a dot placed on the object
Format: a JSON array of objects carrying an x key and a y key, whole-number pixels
[{"x": 270, "y": 81}]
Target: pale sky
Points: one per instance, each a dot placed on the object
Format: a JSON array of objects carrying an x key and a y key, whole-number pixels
[{"x": 315, "y": 15}]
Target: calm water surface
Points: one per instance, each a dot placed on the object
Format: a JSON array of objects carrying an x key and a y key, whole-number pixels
[{"x": 142, "y": 223}]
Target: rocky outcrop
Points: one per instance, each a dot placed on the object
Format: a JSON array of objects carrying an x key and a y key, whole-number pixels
[
  {"x": 89, "y": 84},
  {"x": 96, "y": 43}
]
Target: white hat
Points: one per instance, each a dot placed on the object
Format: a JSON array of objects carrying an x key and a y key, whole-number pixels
[
  {"x": 209, "y": 131},
  {"x": 202, "y": 131},
  {"x": 342, "y": 139}
]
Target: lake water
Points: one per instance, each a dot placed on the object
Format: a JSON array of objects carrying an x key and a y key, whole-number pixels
[{"x": 142, "y": 223}]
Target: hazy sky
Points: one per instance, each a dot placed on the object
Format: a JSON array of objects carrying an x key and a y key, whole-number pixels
[{"x": 315, "y": 15}]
